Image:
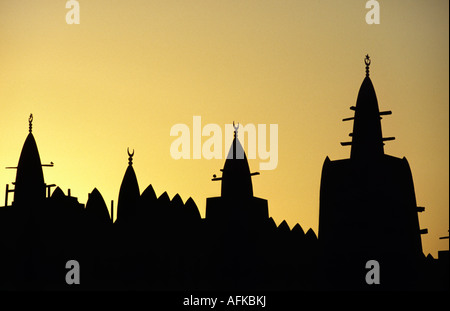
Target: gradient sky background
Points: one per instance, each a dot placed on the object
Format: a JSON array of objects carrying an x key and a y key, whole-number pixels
[{"x": 132, "y": 69}]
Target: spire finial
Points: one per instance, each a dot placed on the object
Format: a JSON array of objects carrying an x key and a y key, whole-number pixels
[
  {"x": 130, "y": 156},
  {"x": 30, "y": 122},
  {"x": 367, "y": 61},
  {"x": 235, "y": 129}
]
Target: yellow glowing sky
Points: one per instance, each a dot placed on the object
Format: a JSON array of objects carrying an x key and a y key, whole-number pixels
[{"x": 132, "y": 69}]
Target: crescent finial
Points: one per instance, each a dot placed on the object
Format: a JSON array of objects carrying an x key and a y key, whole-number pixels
[
  {"x": 30, "y": 122},
  {"x": 130, "y": 155},
  {"x": 235, "y": 129},
  {"x": 367, "y": 61}
]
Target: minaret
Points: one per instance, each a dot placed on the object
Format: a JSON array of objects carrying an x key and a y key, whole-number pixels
[
  {"x": 236, "y": 176},
  {"x": 368, "y": 208},
  {"x": 129, "y": 193},
  {"x": 367, "y": 139},
  {"x": 236, "y": 200},
  {"x": 29, "y": 185},
  {"x": 236, "y": 221}
]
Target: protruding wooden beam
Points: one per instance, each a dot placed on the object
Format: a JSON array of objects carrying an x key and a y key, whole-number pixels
[
  {"x": 388, "y": 138},
  {"x": 384, "y": 113}
]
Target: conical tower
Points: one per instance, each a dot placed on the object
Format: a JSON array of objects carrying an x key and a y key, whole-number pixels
[
  {"x": 368, "y": 207},
  {"x": 236, "y": 176},
  {"x": 236, "y": 201},
  {"x": 129, "y": 193},
  {"x": 29, "y": 185},
  {"x": 96, "y": 209},
  {"x": 367, "y": 139}
]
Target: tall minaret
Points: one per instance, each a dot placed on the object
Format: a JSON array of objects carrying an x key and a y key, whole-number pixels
[
  {"x": 29, "y": 185},
  {"x": 367, "y": 139},
  {"x": 368, "y": 207},
  {"x": 236, "y": 176},
  {"x": 129, "y": 193}
]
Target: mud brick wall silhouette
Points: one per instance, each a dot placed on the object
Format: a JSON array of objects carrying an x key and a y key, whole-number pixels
[{"x": 367, "y": 211}]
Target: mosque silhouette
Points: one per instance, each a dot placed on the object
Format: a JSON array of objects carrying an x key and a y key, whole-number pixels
[{"x": 368, "y": 211}]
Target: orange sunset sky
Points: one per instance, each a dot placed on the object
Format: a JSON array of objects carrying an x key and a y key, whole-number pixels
[{"x": 132, "y": 69}]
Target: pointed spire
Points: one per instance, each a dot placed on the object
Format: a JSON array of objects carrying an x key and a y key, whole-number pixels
[
  {"x": 236, "y": 177},
  {"x": 96, "y": 209},
  {"x": 367, "y": 139},
  {"x": 129, "y": 193},
  {"x": 192, "y": 210},
  {"x": 283, "y": 228},
  {"x": 29, "y": 177},
  {"x": 58, "y": 193}
]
